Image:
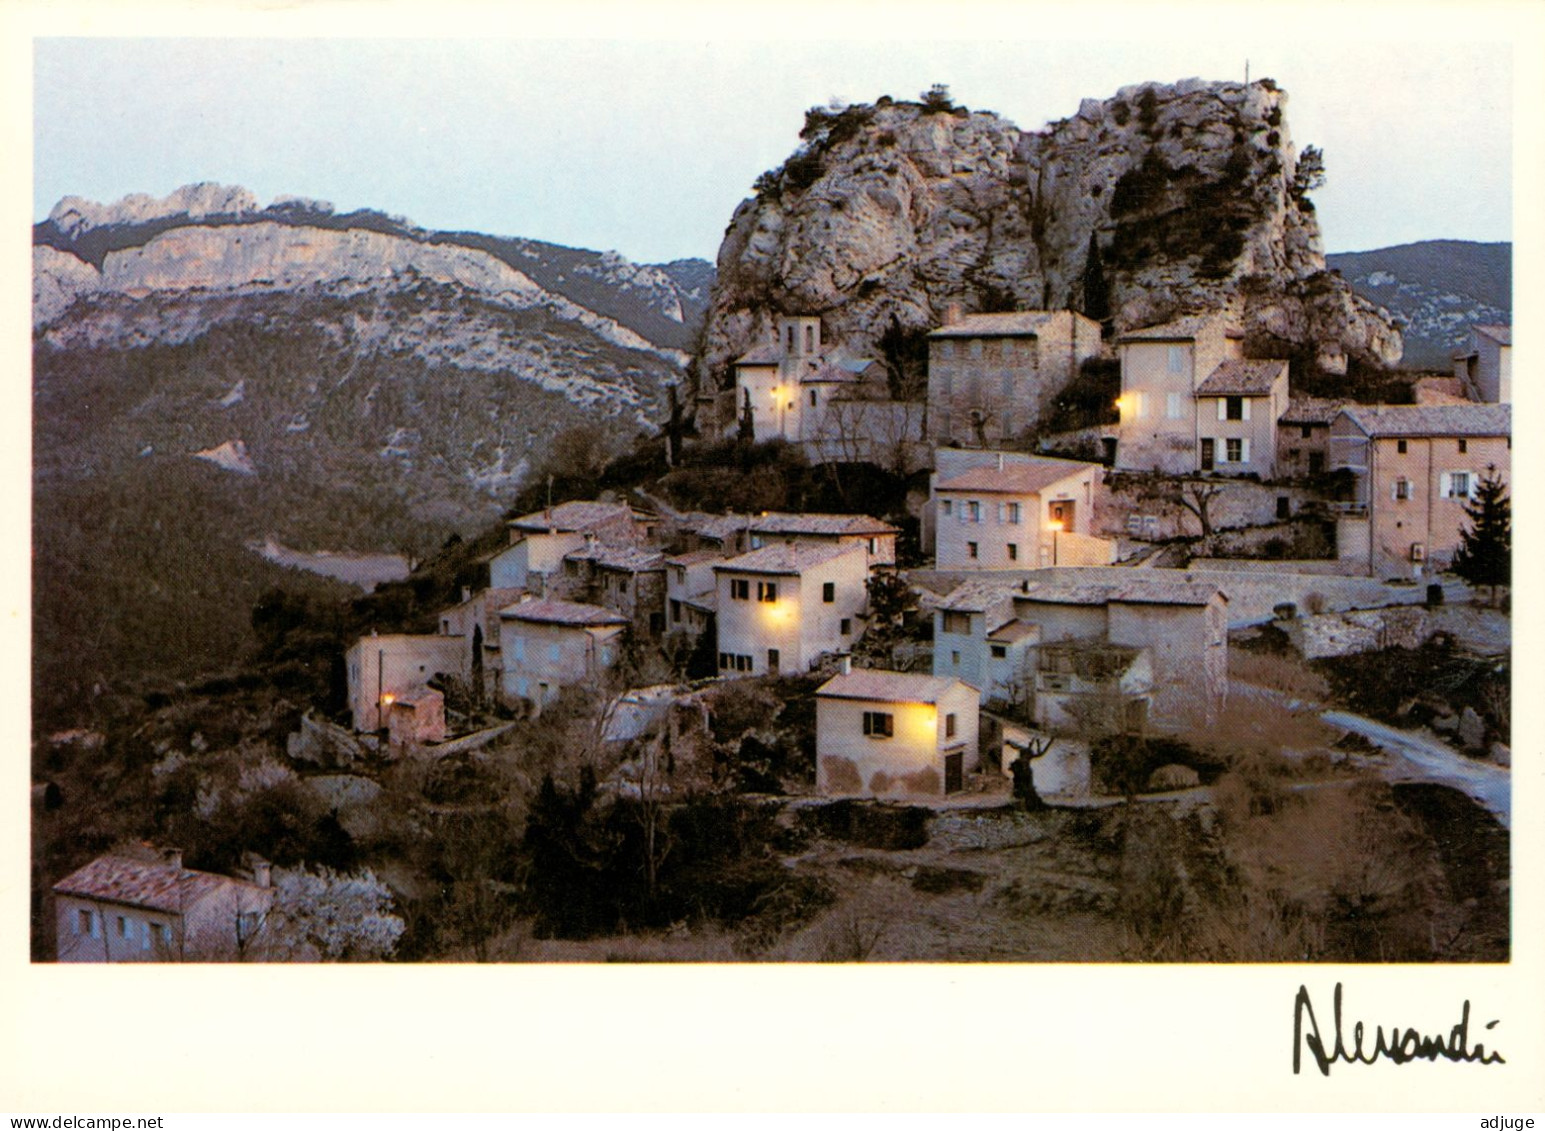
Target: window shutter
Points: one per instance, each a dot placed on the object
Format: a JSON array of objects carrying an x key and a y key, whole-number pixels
[
  {"x": 1445, "y": 485},
  {"x": 1246, "y": 402},
  {"x": 1222, "y": 408},
  {"x": 1244, "y": 446},
  {"x": 1394, "y": 489}
]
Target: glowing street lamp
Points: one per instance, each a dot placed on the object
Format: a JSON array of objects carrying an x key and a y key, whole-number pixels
[{"x": 1055, "y": 526}]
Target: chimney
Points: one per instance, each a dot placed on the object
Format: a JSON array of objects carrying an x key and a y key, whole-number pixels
[
  {"x": 262, "y": 874},
  {"x": 952, "y": 314},
  {"x": 1000, "y": 461},
  {"x": 845, "y": 663},
  {"x": 466, "y": 593},
  {"x": 172, "y": 858}
]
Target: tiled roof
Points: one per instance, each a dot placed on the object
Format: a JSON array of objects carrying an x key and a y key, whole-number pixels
[
  {"x": 1502, "y": 335},
  {"x": 786, "y": 558},
  {"x": 715, "y": 526},
  {"x": 765, "y": 354},
  {"x": 138, "y": 883},
  {"x": 1026, "y": 478},
  {"x": 839, "y": 370},
  {"x": 562, "y": 612},
  {"x": 695, "y": 557},
  {"x": 1310, "y": 410},
  {"x": 889, "y": 687},
  {"x": 978, "y": 596},
  {"x": 574, "y": 517},
  {"x": 1012, "y": 632},
  {"x": 1180, "y": 330},
  {"x": 823, "y": 524},
  {"x": 1432, "y": 420},
  {"x": 1016, "y": 324},
  {"x": 1242, "y": 378},
  {"x": 629, "y": 558},
  {"x": 1131, "y": 588}
]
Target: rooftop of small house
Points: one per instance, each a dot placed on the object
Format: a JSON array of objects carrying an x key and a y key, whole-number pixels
[
  {"x": 839, "y": 371},
  {"x": 1027, "y": 477},
  {"x": 1410, "y": 421},
  {"x": 785, "y": 558},
  {"x": 1012, "y": 632},
  {"x": 572, "y": 518},
  {"x": 571, "y": 613},
  {"x": 717, "y": 527},
  {"x": 695, "y": 557},
  {"x": 1133, "y": 589},
  {"x": 1502, "y": 335},
  {"x": 628, "y": 559},
  {"x": 832, "y": 525},
  {"x": 1178, "y": 330},
  {"x": 978, "y": 595},
  {"x": 157, "y": 885},
  {"x": 1310, "y": 410},
  {"x": 1013, "y": 324},
  {"x": 1242, "y": 378},
  {"x": 888, "y": 686}
]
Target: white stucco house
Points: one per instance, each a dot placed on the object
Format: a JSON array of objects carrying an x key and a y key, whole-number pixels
[
  {"x": 548, "y": 645},
  {"x": 1018, "y": 515},
  {"x": 894, "y": 734},
  {"x": 782, "y": 607}
]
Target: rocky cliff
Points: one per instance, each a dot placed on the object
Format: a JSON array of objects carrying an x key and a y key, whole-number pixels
[{"x": 1193, "y": 194}]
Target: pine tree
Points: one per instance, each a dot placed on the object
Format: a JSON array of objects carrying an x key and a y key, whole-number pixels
[
  {"x": 1096, "y": 289},
  {"x": 1485, "y": 554}
]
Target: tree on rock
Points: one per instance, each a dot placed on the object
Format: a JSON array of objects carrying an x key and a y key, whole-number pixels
[
  {"x": 1096, "y": 289},
  {"x": 1485, "y": 554}
]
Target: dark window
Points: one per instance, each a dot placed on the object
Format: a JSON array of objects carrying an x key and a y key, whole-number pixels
[
  {"x": 1235, "y": 408},
  {"x": 740, "y": 589},
  {"x": 1464, "y": 446},
  {"x": 1305, "y": 431},
  {"x": 959, "y": 623},
  {"x": 812, "y": 398},
  {"x": 767, "y": 591},
  {"x": 1013, "y": 552},
  {"x": 675, "y": 612},
  {"x": 970, "y": 549},
  {"x": 1316, "y": 462},
  {"x": 999, "y": 651},
  {"x": 879, "y": 724},
  {"x": 1284, "y": 505},
  {"x": 846, "y": 627},
  {"x": 829, "y": 592},
  {"x": 949, "y": 725},
  {"x": 1209, "y": 454},
  {"x": 1400, "y": 446},
  {"x": 772, "y": 661}
]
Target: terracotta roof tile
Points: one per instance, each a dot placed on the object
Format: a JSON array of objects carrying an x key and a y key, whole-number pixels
[
  {"x": 888, "y": 686},
  {"x": 1025, "y": 478},
  {"x": 1432, "y": 420},
  {"x": 1242, "y": 378},
  {"x": 562, "y": 612},
  {"x": 139, "y": 883},
  {"x": 786, "y": 558}
]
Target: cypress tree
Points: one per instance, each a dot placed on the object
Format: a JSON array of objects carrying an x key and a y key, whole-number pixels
[{"x": 1485, "y": 554}]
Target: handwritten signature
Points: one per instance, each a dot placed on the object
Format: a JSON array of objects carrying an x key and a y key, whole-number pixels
[{"x": 1400, "y": 1046}]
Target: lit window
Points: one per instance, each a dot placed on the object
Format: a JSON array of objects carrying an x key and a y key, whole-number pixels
[{"x": 879, "y": 724}]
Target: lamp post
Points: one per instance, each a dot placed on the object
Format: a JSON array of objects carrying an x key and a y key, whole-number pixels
[{"x": 1056, "y": 528}]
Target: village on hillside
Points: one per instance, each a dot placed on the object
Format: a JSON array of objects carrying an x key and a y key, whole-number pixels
[{"x": 1122, "y": 636}]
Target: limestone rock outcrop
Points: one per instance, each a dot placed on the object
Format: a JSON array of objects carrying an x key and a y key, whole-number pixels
[{"x": 1193, "y": 193}]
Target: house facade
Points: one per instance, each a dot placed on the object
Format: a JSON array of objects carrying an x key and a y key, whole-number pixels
[
  {"x": 380, "y": 669},
  {"x": 878, "y": 539},
  {"x": 992, "y": 376},
  {"x": 1303, "y": 437},
  {"x": 548, "y": 645},
  {"x": 996, "y": 633},
  {"x": 122, "y": 908},
  {"x": 1413, "y": 470},
  {"x": 475, "y": 622},
  {"x": 627, "y": 579},
  {"x": 892, "y": 734},
  {"x": 690, "y": 596},
  {"x": 1486, "y": 367},
  {"x": 1237, "y": 408},
  {"x": 540, "y": 541},
  {"x": 783, "y": 606},
  {"x": 1161, "y": 368},
  {"x": 1022, "y": 515},
  {"x": 788, "y": 385}
]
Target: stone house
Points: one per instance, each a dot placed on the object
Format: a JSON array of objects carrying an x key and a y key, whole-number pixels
[
  {"x": 1486, "y": 367},
  {"x": 549, "y": 645},
  {"x": 997, "y": 632},
  {"x": 978, "y": 639},
  {"x": 1303, "y": 436},
  {"x": 725, "y": 533},
  {"x": 992, "y": 376},
  {"x": 627, "y": 579},
  {"x": 1020, "y": 515},
  {"x": 540, "y": 541},
  {"x": 146, "y": 907},
  {"x": 789, "y": 382},
  {"x": 1237, "y": 408},
  {"x": 782, "y": 607},
  {"x": 1161, "y": 366},
  {"x": 690, "y": 596},
  {"x": 877, "y": 538},
  {"x": 1413, "y": 469},
  {"x": 894, "y": 734},
  {"x": 381, "y": 669},
  {"x": 1091, "y": 683},
  {"x": 475, "y": 622},
  {"x": 415, "y": 719}
]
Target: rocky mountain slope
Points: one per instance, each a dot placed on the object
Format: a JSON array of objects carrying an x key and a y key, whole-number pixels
[
  {"x": 1193, "y": 194},
  {"x": 339, "y": 382},
  {"x": 1439, "y": 289}
]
